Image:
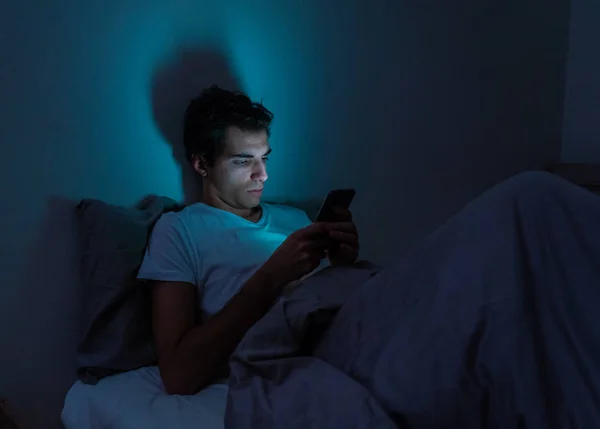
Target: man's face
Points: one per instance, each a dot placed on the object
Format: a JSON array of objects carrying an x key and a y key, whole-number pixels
[{"x": 238, "y": 175}]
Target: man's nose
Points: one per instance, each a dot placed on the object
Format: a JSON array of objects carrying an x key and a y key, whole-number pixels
[{"x": 260, "y": 172}]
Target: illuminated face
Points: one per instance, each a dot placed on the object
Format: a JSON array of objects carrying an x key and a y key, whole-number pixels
[{"x": 236, "y": 180}]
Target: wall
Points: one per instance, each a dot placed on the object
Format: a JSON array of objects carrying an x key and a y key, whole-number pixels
[
  {"x": 581, "y": 132},
  {"x": 420, "y": 105}
]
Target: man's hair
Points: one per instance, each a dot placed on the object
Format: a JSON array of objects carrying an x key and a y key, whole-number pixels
[{"x": 208, "y": 116}]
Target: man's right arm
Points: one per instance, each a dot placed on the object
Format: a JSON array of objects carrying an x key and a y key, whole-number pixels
[{"x": 191, "y": 356}]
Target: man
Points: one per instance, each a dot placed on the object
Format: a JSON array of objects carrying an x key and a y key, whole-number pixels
[{"x": 218, "y": 265}]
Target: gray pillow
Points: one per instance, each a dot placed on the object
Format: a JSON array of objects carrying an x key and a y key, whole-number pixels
[{"x": 117, "y": 307}]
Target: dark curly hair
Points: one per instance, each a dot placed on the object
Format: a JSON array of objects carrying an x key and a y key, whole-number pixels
[{"x": 208, "y": 116}]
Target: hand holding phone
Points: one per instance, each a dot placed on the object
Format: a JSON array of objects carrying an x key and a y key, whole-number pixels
[{"x": 344, "y": 247}]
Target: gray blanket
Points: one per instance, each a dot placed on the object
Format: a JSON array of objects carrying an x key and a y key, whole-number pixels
[{"x": 492, "y": 322}]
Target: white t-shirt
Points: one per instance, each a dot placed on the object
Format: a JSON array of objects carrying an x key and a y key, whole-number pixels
[{"x": 216, "y": 250}]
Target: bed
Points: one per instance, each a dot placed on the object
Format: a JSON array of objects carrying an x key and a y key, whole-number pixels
[{"x": 487, "y": 323}]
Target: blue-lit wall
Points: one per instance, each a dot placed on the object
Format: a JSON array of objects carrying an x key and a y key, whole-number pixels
[
  {"x": 581, "y": 133},
  {"x": 419, "y": 105}
]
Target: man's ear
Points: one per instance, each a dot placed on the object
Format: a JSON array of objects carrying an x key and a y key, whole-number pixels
[{"x": 200, "y": 165}]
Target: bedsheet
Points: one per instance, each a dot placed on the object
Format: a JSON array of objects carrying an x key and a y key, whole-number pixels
[{"x": 136, "y": 399}]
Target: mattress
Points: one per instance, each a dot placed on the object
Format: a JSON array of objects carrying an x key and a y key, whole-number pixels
[{"x": 137, "y": 399}]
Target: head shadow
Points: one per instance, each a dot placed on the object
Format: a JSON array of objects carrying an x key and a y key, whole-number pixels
[{"x": 174, "y": 85}]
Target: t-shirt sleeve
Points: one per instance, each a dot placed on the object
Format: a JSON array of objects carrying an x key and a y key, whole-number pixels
[{"x": 168, "y": 254}]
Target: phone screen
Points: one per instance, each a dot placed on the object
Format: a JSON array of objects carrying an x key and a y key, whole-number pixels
[{"x": 341, "y": 198}]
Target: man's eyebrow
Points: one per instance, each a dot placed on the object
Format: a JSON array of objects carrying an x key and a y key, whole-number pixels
[{"x": 247, "y": 155}]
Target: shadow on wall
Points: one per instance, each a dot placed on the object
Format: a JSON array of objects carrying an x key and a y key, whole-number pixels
[
  {"x": 50, "y": 299},
  {"x": 173, "y": 86}
]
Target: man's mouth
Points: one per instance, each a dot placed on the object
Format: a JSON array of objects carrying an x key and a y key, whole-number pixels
[{"x": 256, "y": 191}]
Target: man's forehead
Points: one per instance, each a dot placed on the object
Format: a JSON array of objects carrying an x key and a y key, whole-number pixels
[{"x": 245, "y": 141}]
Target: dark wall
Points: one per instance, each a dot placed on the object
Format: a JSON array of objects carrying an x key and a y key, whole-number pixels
[
  {"x": 418, "y": 104},
  {"x": 581, "y": 133}
]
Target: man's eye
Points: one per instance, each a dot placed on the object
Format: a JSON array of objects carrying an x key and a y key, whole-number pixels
[
  {"x": 265, "y": 159},
  {"x": 241, "y": 162}
]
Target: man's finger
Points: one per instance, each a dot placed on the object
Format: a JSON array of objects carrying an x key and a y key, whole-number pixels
[
  {"x": 341, "y": 226},
  {"x": 347, "y": 248},
  {"x": 319, "y": 243},
  {"x": 344, "y": 237},
  {"x": 316, "y": 228}
]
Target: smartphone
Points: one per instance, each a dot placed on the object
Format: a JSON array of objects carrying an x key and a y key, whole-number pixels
[{"x": 341, "y": 198}]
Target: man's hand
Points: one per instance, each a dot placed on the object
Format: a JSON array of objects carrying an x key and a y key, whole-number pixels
[
  {"x": 345, "y": 247},
  {"x": 298, "y": 255}
]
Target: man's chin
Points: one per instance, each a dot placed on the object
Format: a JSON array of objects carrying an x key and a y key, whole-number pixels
[
  {"x": 253, "y": 199},
  {"x": 251, "y": 203}
]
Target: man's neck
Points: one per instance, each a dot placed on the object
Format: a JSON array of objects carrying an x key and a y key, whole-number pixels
[{"x": 212, "y": 200}]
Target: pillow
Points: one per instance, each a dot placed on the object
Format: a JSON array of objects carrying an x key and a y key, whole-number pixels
[{"x": 117, "y": 307}]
